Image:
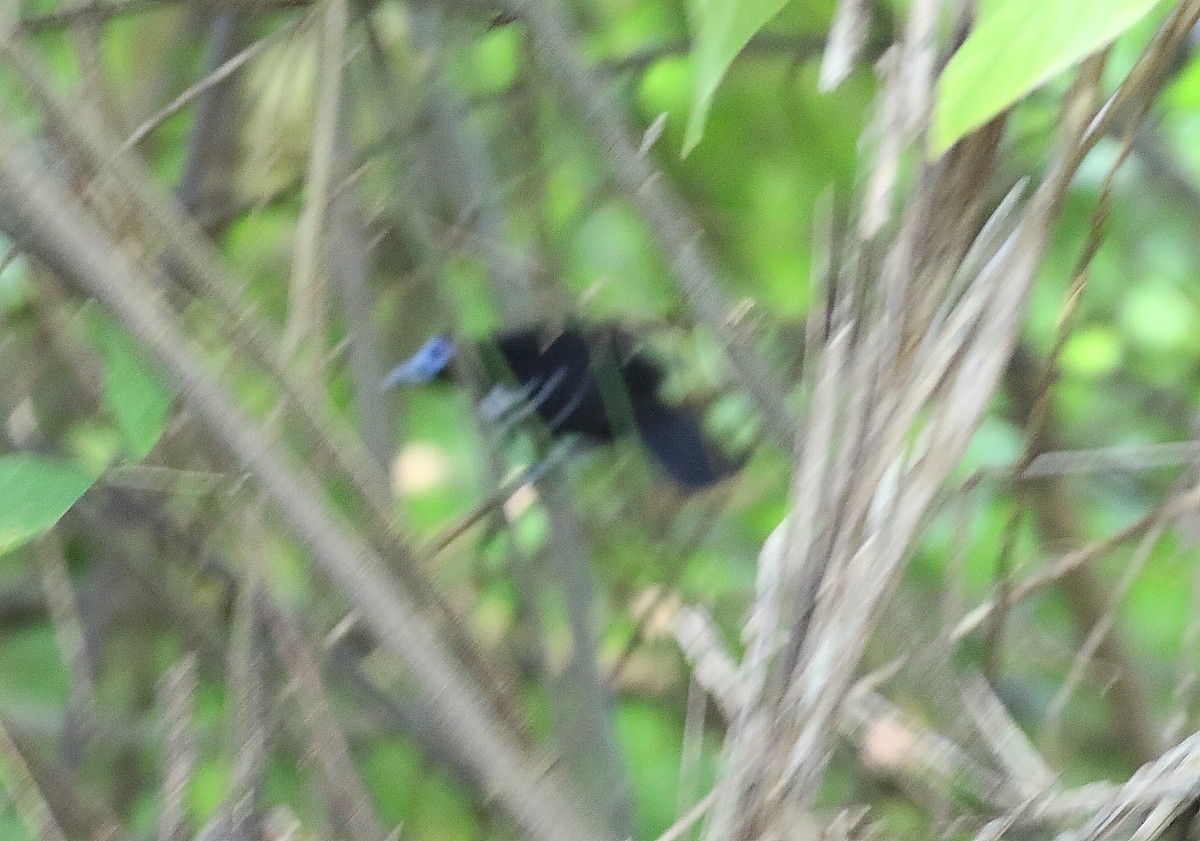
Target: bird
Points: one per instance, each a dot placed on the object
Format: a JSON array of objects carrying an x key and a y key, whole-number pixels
[{"x": 587, "y": 381}]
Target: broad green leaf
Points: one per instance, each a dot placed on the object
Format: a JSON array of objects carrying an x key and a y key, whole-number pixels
[
  {"x": 720, "y": 28},
  {"x": 34, "y": 493},
  {"x": 134, "y": 396},
  {"x": 1016, "y": 46}
]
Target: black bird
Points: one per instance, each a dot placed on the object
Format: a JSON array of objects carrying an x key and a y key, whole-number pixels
[{"x": 588, "y": 382}]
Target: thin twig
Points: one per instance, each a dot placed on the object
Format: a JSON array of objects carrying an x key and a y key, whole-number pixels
[
  {"x": 678, "y": 236},
  {"x": 332, "y": 449},
  {"x": 38, "y": 211},
  {"x": 220, "y": 74},
  {"x": 328, "y": 747},
  {"x": 90, "y": 12},
  {"x": 307, "y": 290},
  {"x": 177, "y": 692},
  {"x": 72, "y": 644},
  {"x": 1168, "y": 510},
  {"x": 27, "y": 798},
  {"x": 678, "y": 829}
]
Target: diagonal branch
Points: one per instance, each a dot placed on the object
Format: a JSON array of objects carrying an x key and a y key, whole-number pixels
[
  {"x": 39, "y": 213},
  {"x": 678, "y": 235}
]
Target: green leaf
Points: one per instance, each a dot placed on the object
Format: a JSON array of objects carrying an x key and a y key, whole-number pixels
[
  {"x": 34, "y": 493},
  {"x": 1016, "y": 46},
  {"x": 134, "y": 397},
  {"x": 720, "y": 28}
]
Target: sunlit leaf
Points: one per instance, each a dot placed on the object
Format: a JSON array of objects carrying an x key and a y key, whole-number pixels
[
  {"x": 34, "y": 493},
  {"x": 135, "y": 397},
  {"x": 1091, "y": 352},
  {"x": 720, "y": 28},
  {"x": 1015, "y": 47}
]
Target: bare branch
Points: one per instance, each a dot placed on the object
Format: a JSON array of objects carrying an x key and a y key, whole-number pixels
[{"x": 39, "y": 213}]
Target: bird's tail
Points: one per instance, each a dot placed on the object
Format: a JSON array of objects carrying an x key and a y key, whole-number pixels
[{"x": 674, "y": 435}]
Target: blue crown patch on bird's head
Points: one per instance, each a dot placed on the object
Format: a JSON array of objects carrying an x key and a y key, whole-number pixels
[{"x": 424, "y": 365}]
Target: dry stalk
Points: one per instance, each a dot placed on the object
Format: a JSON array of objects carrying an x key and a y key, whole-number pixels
[
  {"x": 177, "y": 691},
  {"x": 917, "y": 344},
  {"x": 38, "y": 211}
]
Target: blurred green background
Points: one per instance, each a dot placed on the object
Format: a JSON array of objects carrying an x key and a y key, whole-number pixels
[{"x": 775, "y": 155}]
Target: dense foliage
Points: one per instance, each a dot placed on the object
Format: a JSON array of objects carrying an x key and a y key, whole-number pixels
[{"x": 315, "y": 188}]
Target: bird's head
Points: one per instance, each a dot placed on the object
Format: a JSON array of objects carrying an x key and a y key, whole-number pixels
[{"x": 429, "y": 363}]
